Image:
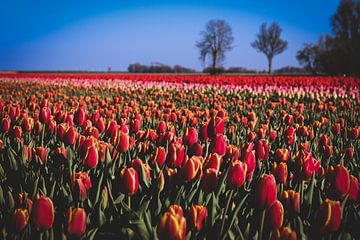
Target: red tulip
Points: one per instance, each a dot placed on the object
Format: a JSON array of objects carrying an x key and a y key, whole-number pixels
[
  {"x": 213, "y": 160},
  {"x": 248, "y": 157},
  {"x": 190, "y": 136},
  {"x": 216, "y": 126},
  {"x": 275, "y": 215},
  {"x": 161, "y": 129},
  {"x": 100, "y": 125},
  {"x": 232, "y": 153},
  {"x": 237, "y": 174},
  {"x": 262, "y": 150},
  {"x": 76, "y": 222},
  {"x": 81, "y": 184},
  {"x": 5, "y": 125},
  {"x": 122, "y": 141},
  {"x": 79, "y": 117},
  {"x": 158, "y": 156},
  {"x": 42, "y": 213},
  {"x": 291, "y": 200},
  {"x": 17, "y": 132},
  {"x": 203, "y": 135},
  {"x": 272, "y": 135},
  {"x": 196, "y": 149},
  {"x": 218, "y": 145},
  {"x": 91, "y": 157},
  {"x": 353, "y": 133},
  {"x": 197, "y": 216},
  {"x": 284, "y": 233},
  {"x": 111, "y": 129},
  {"x": 129, "y": 181},
  {"x": 138, "y": 165},
  {"x": 70, "y": 136},
  {"x": 20, "y": 219},
  {"x": 328, "y": 217},
  {"x": 191, "y": 168},
  {"x": 176, "y": 154},
  {"x": 335, "y": 129},
  {"x": 338, "y": 182},
  {"x": 135, "y": 125},
  {"x": 266, "y": 191},
  {"x": 41, "y": 153},
  {"x": 354, "y": 189},
  {"x": 172, "y": 226},
  {"x": 45, "y": 114},
  {"x": 280, "y": 172},
  {"x": 282, "y": 155},
  {"x": 210, "y": 180}
]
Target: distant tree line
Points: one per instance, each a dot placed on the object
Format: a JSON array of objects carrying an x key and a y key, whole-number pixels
[
  {"x": 158, "y": 68},
  {"x": 338, "y": 53}
]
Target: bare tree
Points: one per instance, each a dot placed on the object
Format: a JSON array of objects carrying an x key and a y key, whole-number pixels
[
  {"x": 307, "y": 57},
  {"x": 269, "y": 42},
  {"x": 215, "y": 41}
]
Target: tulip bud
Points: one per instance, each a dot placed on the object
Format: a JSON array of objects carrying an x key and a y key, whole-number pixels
[
  {"x": 232, "y": 153},
  {"x": 129, "y": 181},
  {"x": 160, "y": 181},
  {"x": 354, "y": 189},
  {"x": 266, "y": 191},
  {"x": 79, "y": 117},
  {"x": 172, "y": 226},
  {"x": 138, "y": 165},
  {"x": 282, "y": 155},
  {"x": 161, "y": 129},
  {"x": 17, "y": 132},
  {"x": 176, "y": 154},
  {"x": 349, "y": 153},
  {"x": 76, "y": 222},
  {"x": 218, "y": 145},
  {"x": 248, "y": 157},
  {"x": 328, "y": 217},
  {"x": 335, "y": 129},
  {"x": 272, "y": 135},
  {"x": 100, "y": 125},
  {"x": 190, "y": 137},
  {"x": 197, "y": 216},
  {"x": 6, "y": 124},
  {"x": 81, "y": 184},
  {"x": 42, "y": 213},
  {"x": 45, "y": 114},
  {"x": 20, "y": 219},
  {"x": 214, "y": 161},
  {"x": 196, "y": 149},
  {"x": 338, "y": 182},
  {"x": 291, "y": 200},
  {"x": 285, "y": 233},
  {"x": 281, "y": 172},
  {"x": 123, "y": 142},
  {"x": 41, "y": 153},
  {"x": 275, "y": 215},
  {"x": 353, "y": 133},
  {"x": 203, "y": 135},
  {"x": 210, "y": 180},
  {"x": 216, "y": 126},
  {"x": 191, "y": 168},
  {"x": 70, "y": 136},
  {"x": 262, "y": 150},
  {"x": 237, "y": 174},
  {"x": 91, "y": 157}
]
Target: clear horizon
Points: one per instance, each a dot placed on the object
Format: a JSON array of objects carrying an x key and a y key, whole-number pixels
[{"x": 92, "y": 36}]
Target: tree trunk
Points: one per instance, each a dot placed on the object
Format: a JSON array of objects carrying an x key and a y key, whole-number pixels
[
  {"x": 270, "y": 64},
  {"x": 214, "y": 62}
]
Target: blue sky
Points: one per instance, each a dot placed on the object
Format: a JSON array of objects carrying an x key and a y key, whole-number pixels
[{"x": 95, "y": 35}]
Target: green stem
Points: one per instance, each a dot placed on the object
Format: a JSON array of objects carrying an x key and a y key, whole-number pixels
[
  {"x": 129, "y": 201},
  {"x": 301, "y": 193},
  {"x": 225, "y": 212},
  {"x": 263, "y": 211}
]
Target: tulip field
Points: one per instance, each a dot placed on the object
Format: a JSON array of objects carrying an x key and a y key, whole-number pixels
[{"x": 110, "y": 156}]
